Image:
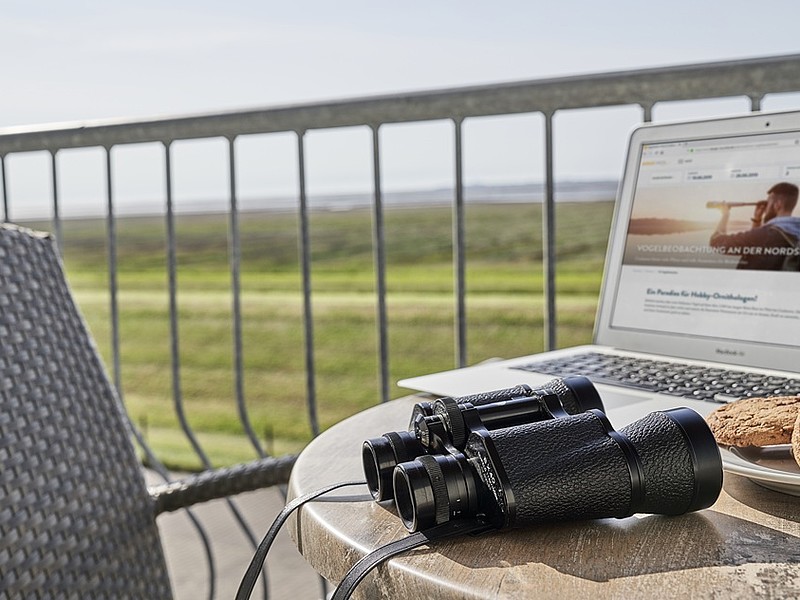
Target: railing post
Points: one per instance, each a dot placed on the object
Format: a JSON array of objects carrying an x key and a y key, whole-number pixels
[
  {"x": 235, "y": 258},
  {"x": 56, "y": 206},
  {"x": 177, "y": 394},
  {"x": 113, "y": 285},
  {"x": 172, "y": 281},
  {"x": 379, "y": 246},
  {"x": 305, "y": 260},
  {"x": 459, "y": 256},
  {"x": 549, "y": 238},
  {"x": 647, "y": 112},
  {"x": 6, "y": 216}
]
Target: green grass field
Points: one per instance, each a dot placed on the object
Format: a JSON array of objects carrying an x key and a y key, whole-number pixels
[{"x": 504, "y": 304}]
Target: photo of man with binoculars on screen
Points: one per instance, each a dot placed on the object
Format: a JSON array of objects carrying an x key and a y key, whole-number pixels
[{"x": 772, "y": 241}]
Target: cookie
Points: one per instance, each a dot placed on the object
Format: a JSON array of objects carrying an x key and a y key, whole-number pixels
[
  {"x": 796, "y": 440},
  {"x": 756, "y": 421}
]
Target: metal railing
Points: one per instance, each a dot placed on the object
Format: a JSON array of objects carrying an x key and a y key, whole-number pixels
[{"x": 752, "y": 79}]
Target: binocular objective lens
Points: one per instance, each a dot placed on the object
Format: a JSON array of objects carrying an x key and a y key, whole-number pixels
[
  {"x": 434, "y": 489},
  {"x": 379, "y": 457},
  {"x": 370, "y": 457},
  {"x": 413, "y": 496}
]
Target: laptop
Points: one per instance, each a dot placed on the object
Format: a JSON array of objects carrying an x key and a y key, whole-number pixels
[{"x": 680, "y": 324}]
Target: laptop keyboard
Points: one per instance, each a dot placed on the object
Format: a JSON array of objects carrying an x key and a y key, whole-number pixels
[{"x": 677, "y": 379}]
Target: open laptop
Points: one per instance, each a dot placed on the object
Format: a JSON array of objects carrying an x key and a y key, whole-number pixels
[{"x": 667, "y": 295}]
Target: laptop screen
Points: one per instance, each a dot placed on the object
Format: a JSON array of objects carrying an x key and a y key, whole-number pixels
[{"x": 695, "y": 262}]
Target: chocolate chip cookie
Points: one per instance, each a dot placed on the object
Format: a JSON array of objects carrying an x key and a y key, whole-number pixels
[{"x": 756, "y": 422}]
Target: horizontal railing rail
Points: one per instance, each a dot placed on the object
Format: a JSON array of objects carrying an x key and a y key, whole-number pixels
[{"x": 752, "y": 78}]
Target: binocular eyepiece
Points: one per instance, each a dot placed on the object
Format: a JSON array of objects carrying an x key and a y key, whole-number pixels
[
  {"x": 443, "y": 425},
  {"x": 523, "y": 455}
]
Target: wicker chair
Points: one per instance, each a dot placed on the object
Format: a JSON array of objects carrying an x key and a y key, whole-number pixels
[{"x": 76, "y": 519}]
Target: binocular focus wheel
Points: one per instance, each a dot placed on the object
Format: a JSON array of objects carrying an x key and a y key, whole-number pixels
[
  {"x": 441, "y": 498},
  {"x": 458, "y": 431}
]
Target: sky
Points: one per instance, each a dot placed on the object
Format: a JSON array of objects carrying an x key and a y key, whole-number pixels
[{"x": 82, "y": 61}]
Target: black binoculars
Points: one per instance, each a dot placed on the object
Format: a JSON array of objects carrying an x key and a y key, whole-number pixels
[
  {"x": 513, "y": 467},
  {"x": 444, "y": 424}
]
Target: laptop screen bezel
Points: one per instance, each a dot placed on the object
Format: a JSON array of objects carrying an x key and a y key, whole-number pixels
[{"x": 680, "y": 345}]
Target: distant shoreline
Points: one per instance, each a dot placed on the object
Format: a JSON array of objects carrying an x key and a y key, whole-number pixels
[{"x": 565, "y": 191}]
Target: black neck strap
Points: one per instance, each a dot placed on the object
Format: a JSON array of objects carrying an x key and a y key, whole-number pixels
[
  {"x": 252, "y": 573},
  {"x": 420, "y": 538},
  {"x": 362, "y": 568}
]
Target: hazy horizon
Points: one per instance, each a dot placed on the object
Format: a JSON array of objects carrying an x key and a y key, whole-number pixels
[{"x": 508, "y": 193}]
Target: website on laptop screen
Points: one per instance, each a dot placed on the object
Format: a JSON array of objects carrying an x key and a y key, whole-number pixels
[{"x": 696, "y": 259}]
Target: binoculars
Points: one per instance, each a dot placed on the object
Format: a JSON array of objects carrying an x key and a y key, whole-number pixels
[
  {"x": 527, "y": 459},
  {"x": 723, "y": 204}
]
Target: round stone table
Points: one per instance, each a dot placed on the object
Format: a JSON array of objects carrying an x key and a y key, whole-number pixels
[{"x": 745, "y": 546}]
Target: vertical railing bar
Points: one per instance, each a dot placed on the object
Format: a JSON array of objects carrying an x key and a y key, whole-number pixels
[
  {"x": 305, "y": 260},
  {"x": 172, "y": 282},
  {"x": 755, "y": 103},
  {"x": 236, "y": 289},
  {"x": 6, "y": 215},
  {"x": 175, "y": 352},
  {"x": 379, "y": 247},
  {"x": 56, "y": 205},
  {"x": 459, "y": 255},
  {"x": 172, "y": 278},
  {"x": 172, "y": 291},
  {"x": 647, "y": 112},
  {"x": 113, "y": 284},
  {"x": 308, "y": 316},
  {"x": 549, "y": 238}
]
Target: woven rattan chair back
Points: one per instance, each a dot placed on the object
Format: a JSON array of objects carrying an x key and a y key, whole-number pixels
[{"x": 76, "y": 520}]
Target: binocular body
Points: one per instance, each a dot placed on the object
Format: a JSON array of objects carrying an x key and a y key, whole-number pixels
[
  {"x": 443, "y": 426},
  {"x": 573, "y": 468},
  {"x": 514, "y": 465}
]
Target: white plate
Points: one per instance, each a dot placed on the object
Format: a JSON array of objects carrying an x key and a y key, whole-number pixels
[{"x": 771, "y": 467}]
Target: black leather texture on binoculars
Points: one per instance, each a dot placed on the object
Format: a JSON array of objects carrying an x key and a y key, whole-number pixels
[
  {"x": 571, "y": 469},
  {"x": 669, "y": 475},
  {"x": 564, "y": 469}
]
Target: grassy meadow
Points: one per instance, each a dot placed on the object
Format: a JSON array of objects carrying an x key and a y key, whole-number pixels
[{"x": 504, "y": 304}]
